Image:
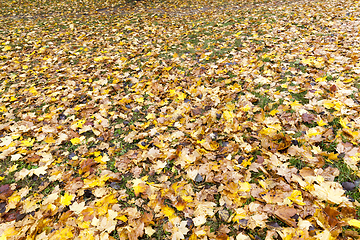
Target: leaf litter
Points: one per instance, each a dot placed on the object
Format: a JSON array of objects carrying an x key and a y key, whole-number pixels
[{"x": 171, "y": 120}]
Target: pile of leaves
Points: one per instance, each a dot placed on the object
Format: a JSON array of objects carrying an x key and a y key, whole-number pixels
[{"x": 179, "y": 120}]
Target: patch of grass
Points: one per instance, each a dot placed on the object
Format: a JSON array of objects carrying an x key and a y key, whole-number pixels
[
  {"x": 297, "y": 135},
  {"x": 111, "y": 165},
  {"x": 160, "y": 234},
  {"x": 346, "y": 173},
  {"x": 297, "y": 162},
  {"x": 263, "y": 100},
  {"x": 335, "y": 124},
  {"x": 256, "y": 233},
  {"x": 48, "y": 190},
  {"x": 115, "y": 235},
  {"x": 255, "y": 176},
  {"x": 10, "y": 177},
  {"x": 328, "y": 146},
  {"x": 300, "y": 97},
  {"x": 68, "y": 146},
  {"x": 298, "y": 65},
  {"x": 249, "y": 200},
  {"x": 214, "y": 225}
]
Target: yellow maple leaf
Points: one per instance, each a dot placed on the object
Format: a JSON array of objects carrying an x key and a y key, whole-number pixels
[
  {"x": 122, "y": 218},
  {"x": 172, "y": 92},
  {"x": 246, "y": 108},
  {"x": 295, "y": 105},
  {"x": 14, "y": 199},
  {"x": 6, "y": 48},
  {"x": 65, "y": 233},
  {"x": 307, "y": 61},
  {"x": 99, "y": 159},
  {"x": 353, "y": 134},
  {"x": 33, "y": 91},
  {"x": 139, "y": 186},
  {"x": 354, "y": 223},
  {"x": 312, "y": 132},
  {"x": 229, "y": 116},
  {"x": 49, "y": 140},
  {"x": 245, "y": 186},
  {"x": 139, "y": 189},
  {"x": 13, "y": 168},
  {"x": 99, "y": 59},
  {"x": 66, "y": 199},
  {"x": 181, "y": 96},
  {"x": 330, "y": 191},
  {"x": 268, "y": 131},
  {"x": 328, "y": 104},
  {"x": 348, "y": 80},
  {"x": 273, "y": 112},
  {"x": 139, "y": 100},
  {"x": 77, "y": 108},
  {"x": 296, "y": 197},
  {"x": 321, "y": 79},
  {"x": 85, "y": 224},
  {"x": 75, "y": 141},
  {"x": 332, "y": 156},
  {"x": 77, "y": 207},
  {"x": 239, "y": 214},
  {"x": 28, "y": 142},
  {"x": 247, "y": 162},
  {"x": 9, "y": 232},
  {"x": 150, "y": 116},
  {"x": 149, "y": 231},
  {"x": 78, "y": 124},
  {"x": 168, "y": 211},
  {"x": 97, "y": 181},
  {"x": 187, "y": 199},
  {"x": 343, "y": 123},
  {"x": 319, "y": 62},
  {"x": 321, "y": 123}
]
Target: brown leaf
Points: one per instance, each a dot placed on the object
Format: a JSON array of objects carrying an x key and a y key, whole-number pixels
[
  {"x": 5, "y": 192},
  {"x": 196, "y": 111},
  {"x": 351, "y": 234},
  {"x": 259, "y": 159},
  {"x": 332, "y": 215},
  {"x": 308, "y": 118},
  {"x": 285, "y": 213},
  {"x": 333, "y": 88}
]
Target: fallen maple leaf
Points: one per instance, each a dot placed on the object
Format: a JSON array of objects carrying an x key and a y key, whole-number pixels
[{"x": 66, "y": 199}]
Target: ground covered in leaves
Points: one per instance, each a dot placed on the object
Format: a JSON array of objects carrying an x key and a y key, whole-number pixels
[{"x": 176, "y": 120}]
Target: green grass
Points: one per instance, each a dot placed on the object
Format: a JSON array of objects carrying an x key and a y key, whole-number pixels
[
  {"x": 263, "y": 100},
  {"x": 111, "y": 165},
  {"x": 256, "y": 233},
  {"x": 328, "y": 146},
  {"x": 300, "y": 97},
  {"x": 33, "y": 182},
  {"x": 346, "y": 173},
  {"x": 297, "y": 162}
]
